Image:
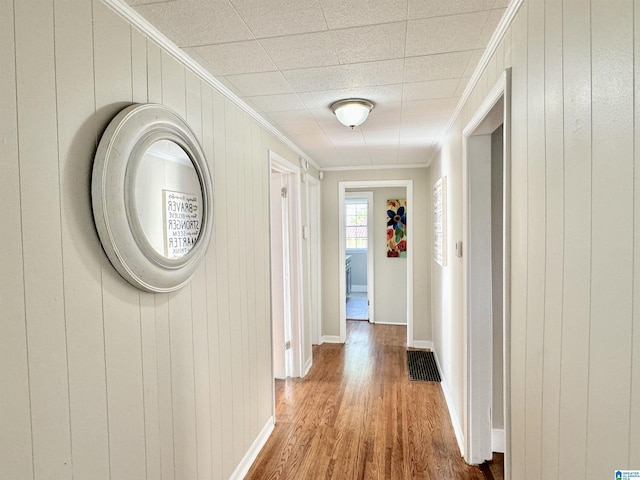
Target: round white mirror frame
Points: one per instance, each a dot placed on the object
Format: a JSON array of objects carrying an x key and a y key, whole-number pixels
[{"x": 121, "y": 147}]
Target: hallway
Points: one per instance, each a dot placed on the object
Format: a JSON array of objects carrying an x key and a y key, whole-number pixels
[{"x": 357, "y": 416}]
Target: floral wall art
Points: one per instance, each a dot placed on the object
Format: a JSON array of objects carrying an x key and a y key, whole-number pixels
[{"x": 397, "y": 228}]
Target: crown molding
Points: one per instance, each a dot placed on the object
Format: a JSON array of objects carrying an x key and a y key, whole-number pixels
[
  {"x": 142, "y": 24},
  {"x": 375, "y": 167}
]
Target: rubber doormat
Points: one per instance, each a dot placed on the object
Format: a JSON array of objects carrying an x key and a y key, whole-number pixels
[{"x": 422, "y": 366}]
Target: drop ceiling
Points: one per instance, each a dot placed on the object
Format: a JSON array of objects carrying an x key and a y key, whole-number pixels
[{"x": 290, "y": 59}]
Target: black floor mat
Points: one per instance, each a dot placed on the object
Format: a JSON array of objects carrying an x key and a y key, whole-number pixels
[{"x": 422, "y": 366}]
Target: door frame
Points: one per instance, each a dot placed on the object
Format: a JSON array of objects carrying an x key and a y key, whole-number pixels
[
  {"x": 279, "y": 164},
  {"x": 342, "y": 187},
  {"x": 314, "y": 268},
  {"x": 479, "y": 348},
  {"x": 370, "y": 274}
]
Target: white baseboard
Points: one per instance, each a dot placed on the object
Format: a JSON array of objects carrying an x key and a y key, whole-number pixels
[
  {"x": 307, "y": 366},
  {"x": 245, "y": 464},
  {"x": 391, "y": 323},
  {"x": 359, "y": 288},
  {"x": 425, "y": 344},
  {"x": 331, "y": 339},
  {"x": 457, "y": 426},
  {"x": 497, "y": 440}
]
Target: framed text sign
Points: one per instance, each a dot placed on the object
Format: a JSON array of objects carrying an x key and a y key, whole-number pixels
[{"x": 182, "y": 220}]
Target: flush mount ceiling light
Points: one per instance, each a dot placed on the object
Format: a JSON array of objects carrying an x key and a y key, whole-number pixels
[{"x": 352, "y": 112}]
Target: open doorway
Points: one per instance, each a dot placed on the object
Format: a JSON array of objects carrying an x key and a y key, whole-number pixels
[
  {"x": 407, "y": 277},
  {"x": 358, "y": 215},
  {"x": 286, "y": 269},
  {"x": 486, "y": 273}
]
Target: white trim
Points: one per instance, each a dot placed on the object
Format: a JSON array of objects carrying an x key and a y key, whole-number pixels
[
  {"x": 478, "y": 368},
  {"x": 307, "y": 366},
  {"x": 245, "y": 464},
  {"x": 411, "y": 207},
  {"x": 497, "y": 440},
  {"x": 423, "y": 344},
  {"x": 317, "y": 283},
  {"x": 389, "y": 323},
  {"x": 331, "y": 339},
  {"x": 455, "y": 422},
  {"x": 375, "y": 167},
  {"x": 279, "y": 164},
  {"x": 494, "y": 42},
  {"x": 138, "y": 21}
]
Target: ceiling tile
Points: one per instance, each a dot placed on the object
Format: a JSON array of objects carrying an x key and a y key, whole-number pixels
[
  {"x": 462, "y": 86},
  {"x": 144, "y": 2},
  {"x": 312, "y": 142},
  {"x": 436, "y": 67},
  {"x": 474, "y": 58},
  {"x": 254, "y": 84},
  {"x": 436, "y": 106},
  {"x": 430, "y": 89},
  {"x": 427, "y": 120},
  {"x": 377, "y": 138},
  {"x": 234, "y": 58},
  {"x": 277, "y": 103},
  {"x": 197, "y": 22},
  {"x": 418, "y": 152},
  {"x": 421, "y": 133},
  {"x": 492, "y": 23},
  {"x": 382, "y": 94},
  {"x": 355, "y": 13},
  {"x": 384, "y": 155},
  {"x": 371, "y": 43},
  {"x": 290, "y": 59},
  {"x": 316, "y": 79},
  {"x": 439, "y": 8},
  {"x": 301, "y": 51},
  {"x": 385, "y": 72},
  {"x": 445, "y": 34},
  {"x": 296, "y": 122},
  {"x": 280, "y": 17},
  {"x": 348, "y": 138}
]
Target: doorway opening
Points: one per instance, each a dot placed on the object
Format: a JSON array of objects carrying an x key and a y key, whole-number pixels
[
  {"x": 286, "y": 269},
  {"x": 358, "y": 215},
  {"x": 374, "y": 315},
  {"x": 486, "y": 275}
]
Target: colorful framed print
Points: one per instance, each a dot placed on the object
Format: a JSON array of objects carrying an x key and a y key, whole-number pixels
[{"x": 397, "y": 228}]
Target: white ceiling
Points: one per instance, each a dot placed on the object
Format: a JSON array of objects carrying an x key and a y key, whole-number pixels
[{"x": 290, "y": 59}]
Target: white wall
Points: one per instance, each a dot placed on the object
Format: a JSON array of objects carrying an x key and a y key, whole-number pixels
[
  {"x": 390, "y": 297},
  {"x": 575, "y": 340},
  {"x": 422, "y": 247},
  {"x": 98, "y": 379}
]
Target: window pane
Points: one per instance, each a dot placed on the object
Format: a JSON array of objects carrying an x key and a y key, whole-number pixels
[
  {"x": 361, "y": 243},
  {"x": 351, "y": 220},
  {"x": 351, "y": 243},
  {"x": 351, "y": 209}
]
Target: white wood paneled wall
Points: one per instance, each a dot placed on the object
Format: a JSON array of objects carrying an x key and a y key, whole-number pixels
[
  {"x": 97, "y": 379},
  {"x": 575, "y": 355}
]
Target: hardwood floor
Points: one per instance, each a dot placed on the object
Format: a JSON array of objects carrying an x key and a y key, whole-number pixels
[{"x": 357, "y": 416}]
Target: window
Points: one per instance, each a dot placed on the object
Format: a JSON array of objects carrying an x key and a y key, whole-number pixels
[{"x": 356, "y": 223}]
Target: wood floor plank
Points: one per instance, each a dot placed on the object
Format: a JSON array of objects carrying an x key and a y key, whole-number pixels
[{"x": 356, "y": 415}]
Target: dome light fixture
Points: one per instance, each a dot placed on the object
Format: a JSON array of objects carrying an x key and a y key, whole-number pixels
[{"x": 352, "y": 112}]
